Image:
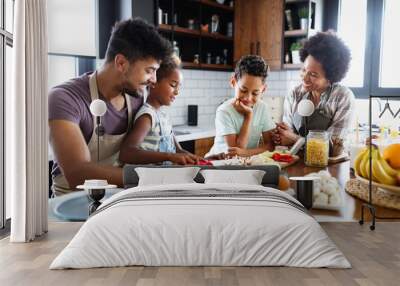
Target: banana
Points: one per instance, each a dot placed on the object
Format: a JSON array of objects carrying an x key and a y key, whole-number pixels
[
  {"x": 385, "y": 165},
  {"x": 364, "y": 166},
  {"x": 357, "y": 161},
  {"x": 380, "y": 173}
]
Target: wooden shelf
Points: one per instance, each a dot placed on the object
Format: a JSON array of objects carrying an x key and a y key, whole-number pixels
[
  {"x": 191, "y": 32},
  {"x": 177, "y": 29},
  {"x": 216, "y": 36},
  {"x": 296, "y": 33},
  {"x": 186, "y": 31},
  {"x": 295, "y": 1},
  {"x": 165, "y": 28},
  {"x": 190, "y": 65},
  {"x": 197, "y": 41},
  {"x": 217, "y": 5},
  {"x": 215, "y": 66},
  {"x": 292, "y": 66}
]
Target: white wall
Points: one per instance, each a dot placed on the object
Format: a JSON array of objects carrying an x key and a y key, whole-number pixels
[
  {"x": 71, "y": 27},
  {"x": 61, "y": 69},
  {"x": 208, "y": 89}
]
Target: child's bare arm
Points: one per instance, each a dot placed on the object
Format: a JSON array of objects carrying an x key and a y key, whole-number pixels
[{"x": 130, "y": 151}]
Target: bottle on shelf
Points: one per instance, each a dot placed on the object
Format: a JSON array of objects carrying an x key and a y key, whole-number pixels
[
  {"x": 225, "y": 57},
  {"x": 176, "y": 48},
  {"x": 287, "y": 58},
  {"x": 196, "y": 59},
  {"x": 208, "y": 58},
  {"x": 160, "y": 16}
]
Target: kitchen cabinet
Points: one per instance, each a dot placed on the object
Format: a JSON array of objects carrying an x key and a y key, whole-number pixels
[
  {"x": 259, "y": 30},
  {"x": 202, "y": 42},
  {"x": 262, "y": 28},
  {"x": 202, "y": 146},
  {"x": 180, "y": 21},
  {"x": 296, "y": 29}
]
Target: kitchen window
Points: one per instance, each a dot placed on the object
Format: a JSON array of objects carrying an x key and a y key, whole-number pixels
[
  {"x": 369, "y": 28},
  {"x": 6, "y": 45}
]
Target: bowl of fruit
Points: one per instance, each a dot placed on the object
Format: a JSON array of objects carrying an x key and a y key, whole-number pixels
[{"x": 384, "y": 171}]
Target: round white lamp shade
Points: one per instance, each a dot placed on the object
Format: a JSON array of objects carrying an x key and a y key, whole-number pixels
[
  {"x": 98, "y": 107},
  {"x": 305, "y": 107}
]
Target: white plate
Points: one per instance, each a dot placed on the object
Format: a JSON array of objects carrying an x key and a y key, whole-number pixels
[{"x": 392, "y": 189}]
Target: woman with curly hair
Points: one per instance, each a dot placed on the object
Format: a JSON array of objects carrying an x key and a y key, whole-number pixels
[{"x": 325, "y": 60}]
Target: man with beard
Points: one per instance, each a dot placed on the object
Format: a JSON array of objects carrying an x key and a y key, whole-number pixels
[{"x": 134, "y": 53}]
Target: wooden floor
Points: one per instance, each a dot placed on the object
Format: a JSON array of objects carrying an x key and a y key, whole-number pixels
[{"x": 374, "y": 255}]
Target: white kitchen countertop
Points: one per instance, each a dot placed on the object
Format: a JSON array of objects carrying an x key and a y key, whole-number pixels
[{"x": 193, "y": 132}]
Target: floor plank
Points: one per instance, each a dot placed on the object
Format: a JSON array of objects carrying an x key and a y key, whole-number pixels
[{"x": 374, "y": 255}]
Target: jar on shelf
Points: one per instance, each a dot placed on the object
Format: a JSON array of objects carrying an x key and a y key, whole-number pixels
[
  {"x": 208, "y": 58},
  {"x": 225, "y": 57},
  {"x": 175, "y": 48},
  {"x": 196, "y": 59},
  {"x": 191, "y": 24},
  {"x": 317, "y": 149}
]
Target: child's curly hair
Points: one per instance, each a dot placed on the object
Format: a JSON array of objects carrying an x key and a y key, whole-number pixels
[
  {"x": 168, "y": 65},
  {"x": 251, "y": 65}
]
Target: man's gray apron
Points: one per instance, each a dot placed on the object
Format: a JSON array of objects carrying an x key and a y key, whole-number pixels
[{"x": 109, "y": 144}]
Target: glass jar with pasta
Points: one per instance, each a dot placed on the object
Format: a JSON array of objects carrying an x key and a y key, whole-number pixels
[{"x": 317, "y": 149}]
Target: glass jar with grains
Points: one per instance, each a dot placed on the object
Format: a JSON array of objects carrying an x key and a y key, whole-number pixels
[{"x": 317, "y": 149}]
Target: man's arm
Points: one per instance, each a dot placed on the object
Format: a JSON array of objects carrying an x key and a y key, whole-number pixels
[{"x": 73, "y": 156}]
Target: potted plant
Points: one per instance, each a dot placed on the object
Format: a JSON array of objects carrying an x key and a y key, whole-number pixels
[
  {"x": 295, "y": 50},
  {"x": 303, "y": 15}
]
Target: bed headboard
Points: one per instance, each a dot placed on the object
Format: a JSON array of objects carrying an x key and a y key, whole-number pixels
[{"x": 270, "y": 179}]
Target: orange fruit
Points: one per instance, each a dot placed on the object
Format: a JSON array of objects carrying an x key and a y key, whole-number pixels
[
  {"x": 392, "y": 155},
  {"x": 284, "y": 183}
]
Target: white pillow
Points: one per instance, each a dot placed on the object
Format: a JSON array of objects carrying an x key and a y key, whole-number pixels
[
  {"x": 248, "y": 177},
  {"x": 166, "y": 176}
]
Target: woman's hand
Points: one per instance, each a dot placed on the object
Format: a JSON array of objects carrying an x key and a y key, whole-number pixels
[
  {"x": 236, "y": 151},
  {"x": 284, "y": 135},
  {"x": 184, "y": 158},
  {"x": 242, "y": 109}
]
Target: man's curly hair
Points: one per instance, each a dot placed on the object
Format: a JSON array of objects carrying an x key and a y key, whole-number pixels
[
  {"x": 136, "y": 40},
  {"x": 168, "y": 65},
  {"x": 331, "y": 52},
  {"x": 251, "y": 65}
]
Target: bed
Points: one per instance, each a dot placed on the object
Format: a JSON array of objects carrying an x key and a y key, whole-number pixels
[{"x": 201, "y": 224}]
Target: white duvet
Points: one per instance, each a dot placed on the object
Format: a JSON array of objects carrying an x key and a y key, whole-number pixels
[{"x": 207, "y": 230}]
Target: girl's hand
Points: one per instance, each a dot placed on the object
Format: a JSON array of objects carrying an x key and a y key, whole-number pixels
[
  {"x": 184, "y": 158},
  {"x": 220, "y": 156},
  {"x": 236, "y": 151},
  {"x": 241, "y": 108}
]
